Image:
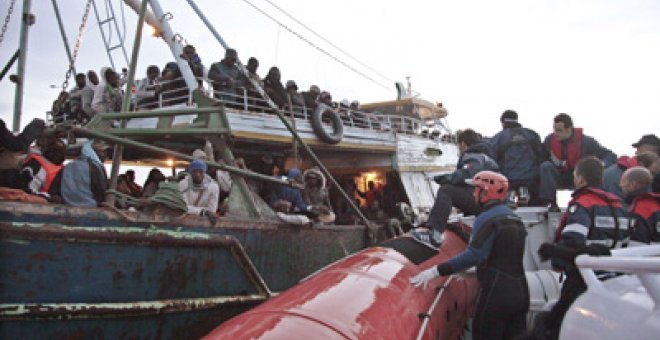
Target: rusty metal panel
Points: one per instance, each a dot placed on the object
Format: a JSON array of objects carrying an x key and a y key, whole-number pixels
[{"x": 68, "y": 272}]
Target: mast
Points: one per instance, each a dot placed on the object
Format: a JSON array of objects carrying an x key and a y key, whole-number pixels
[{"x": 27, "y": 20}]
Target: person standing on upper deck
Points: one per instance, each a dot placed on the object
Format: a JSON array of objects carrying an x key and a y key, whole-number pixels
[
  {"x": 518, "y": 152},
  {"x": 87, "y": 94},
  {"x": 297, "y": 100},
  {"x": 565, "y": 147},
  {"x": 274, "y": 88},
  {"x": 311, "y": 98},
  {"x": 147, "y": 88},
  {"x": 108, "y": 95},
  {"x": 225, "y": 74}
]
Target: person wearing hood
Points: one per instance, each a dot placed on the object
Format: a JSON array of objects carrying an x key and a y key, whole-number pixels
[
  {"x": 108, "y": 95},
  {"x": 518, "y": 152},
  {"x": 199, "y": 190},
  {"x": 274, "y": 88},
  {"x": 644, "y": 211},
  {"x": 454, "y": 190},
  {"x": 315, "y": 193},
  {"x": 84, "y": 180}
]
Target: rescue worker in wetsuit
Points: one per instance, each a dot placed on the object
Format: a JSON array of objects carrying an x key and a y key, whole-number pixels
[
  {"x": 565, "y": 147},
  {"x": 644, "y": 211},
  {"x": 496, "y": 247},
  {"x": 593, "y": 217}
]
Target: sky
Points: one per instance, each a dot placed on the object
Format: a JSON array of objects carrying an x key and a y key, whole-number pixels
[{"x": 596, "y": 60}]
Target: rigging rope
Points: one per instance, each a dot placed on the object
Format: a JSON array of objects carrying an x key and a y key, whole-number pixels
[
  {"x": 76, "y": 49},
  {"x": 7, "y": 18},
  {"x": 329, "y": 42},
  {"x": 317, "y": 47}
]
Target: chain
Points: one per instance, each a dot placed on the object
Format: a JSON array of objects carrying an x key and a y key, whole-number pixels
[
  {"x": 4, "y": 27},
  {"x": 76, "y": 49}
]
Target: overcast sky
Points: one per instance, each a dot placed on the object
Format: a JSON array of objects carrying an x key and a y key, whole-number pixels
[{"x": 597, "y": 60}]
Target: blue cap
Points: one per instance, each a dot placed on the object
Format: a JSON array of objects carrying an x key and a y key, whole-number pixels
[
  {"x": 197, "y": 165},
  {"x": 293, "y": 173}
]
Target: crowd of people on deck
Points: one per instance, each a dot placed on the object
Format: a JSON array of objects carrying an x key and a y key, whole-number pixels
[{"x": 92, "y": 95}]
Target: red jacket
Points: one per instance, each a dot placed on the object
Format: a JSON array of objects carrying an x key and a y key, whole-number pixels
[
  {"x": 645, "y": 218},
  {"x": 574, "y": 152}
]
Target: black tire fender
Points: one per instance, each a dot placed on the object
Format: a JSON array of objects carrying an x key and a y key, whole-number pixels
[{"x": 316, "y": 119}]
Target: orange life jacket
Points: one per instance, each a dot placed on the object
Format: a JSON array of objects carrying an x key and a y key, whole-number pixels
[{"x": 50, "y": 168}]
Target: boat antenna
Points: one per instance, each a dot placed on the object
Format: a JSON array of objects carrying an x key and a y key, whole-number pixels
[
  {"x": 76, "y": 48},
  {"x": 331, "y": 56}
]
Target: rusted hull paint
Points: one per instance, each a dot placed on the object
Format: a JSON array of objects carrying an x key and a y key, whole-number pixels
[
  {"x": 68, "y": 311},
  {"x": 85, "y": 273}
]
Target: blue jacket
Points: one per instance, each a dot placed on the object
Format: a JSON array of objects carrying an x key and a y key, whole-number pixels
[
  {"x": 84, "y": 182},
  {"x": 475, "y": 255},
  {"x": 590, "y": 147},
  {"x": 475, "y": 159},
  {"x": 518, "y": 152}
]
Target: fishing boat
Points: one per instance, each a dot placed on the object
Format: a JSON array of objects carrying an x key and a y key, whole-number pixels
[{"x": 71, "y": 272}]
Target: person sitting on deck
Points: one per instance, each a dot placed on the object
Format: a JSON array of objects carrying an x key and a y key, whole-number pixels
[
  {"x": 288, "y": 199},
  {"x": 593, "y": 217},
  {"x": 154, "y": 178},
  {"x": 565, "y": 147},
  {"x": 199, "y": 190},
  {"x": 647, "y": 144},
  {"x": 134, "y": 188},
  {"x": 644, "y": 210},
  {"x": 454, "y": 190},
  {"x": 310, "y": 97},
  {"x": 315, "y": 193},
  {"x": 225, "y": 76},
  {"x": 39, "y": 173},
  {"x": 108, "y": 95},
  {"x": 12, "y": 148},
  {"x": 274, "y": 88},
  {"x": 84, "y": 180}
]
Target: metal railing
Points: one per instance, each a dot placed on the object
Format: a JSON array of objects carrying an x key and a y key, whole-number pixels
[{"x": 241, "y": 99}]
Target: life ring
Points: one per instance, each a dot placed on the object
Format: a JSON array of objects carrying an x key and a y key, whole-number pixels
[{"x": 317, "y": 124}]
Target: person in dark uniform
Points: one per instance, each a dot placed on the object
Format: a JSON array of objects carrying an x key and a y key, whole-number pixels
[
  {"x": 594, "y": 217},
  {"x": 496, "y": 247}
]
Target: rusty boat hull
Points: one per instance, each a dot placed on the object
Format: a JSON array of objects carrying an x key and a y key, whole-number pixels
[{"x": 91, "y": 273}]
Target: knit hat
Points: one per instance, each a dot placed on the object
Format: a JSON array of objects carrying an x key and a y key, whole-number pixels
[
  {"x": 293, "y": 173},
  {"x": 291, "y": 83},
  {"x": 197, "y": 165}
]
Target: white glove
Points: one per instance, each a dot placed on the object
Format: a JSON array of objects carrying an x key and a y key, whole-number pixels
[{"x": 422, "y": 279}]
